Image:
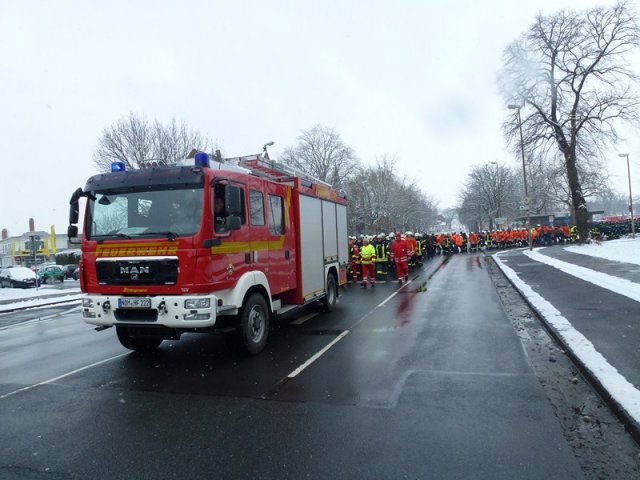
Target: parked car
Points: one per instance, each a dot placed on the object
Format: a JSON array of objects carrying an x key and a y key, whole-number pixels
[
  {"x": 68, "y": 270},
  {"x": 18, "y": 277},
  {"x": 50, "y": 273},
  {"x": 40, "y": 266},
  {"x": 76, "y": 273}
]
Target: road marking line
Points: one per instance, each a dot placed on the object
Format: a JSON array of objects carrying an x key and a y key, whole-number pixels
[
  {"x": 51, "y": 380},
  {"x": 304, "y": 318},
  {"x": 316, "y": 356}
]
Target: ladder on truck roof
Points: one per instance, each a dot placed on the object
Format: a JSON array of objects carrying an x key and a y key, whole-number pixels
[{"x": 265, "y": 167}]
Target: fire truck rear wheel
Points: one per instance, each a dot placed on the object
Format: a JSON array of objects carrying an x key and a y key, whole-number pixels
[
  {"x": 254, "y": 325},
  {"x": 139, "y": 344},
  {"x": 332, "y": 293}
]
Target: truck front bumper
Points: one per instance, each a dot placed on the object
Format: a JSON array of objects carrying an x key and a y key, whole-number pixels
[{"x": 173, "y": 311}]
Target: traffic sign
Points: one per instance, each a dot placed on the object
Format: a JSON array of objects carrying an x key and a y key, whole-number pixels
[{"x": 526, "y": 200}]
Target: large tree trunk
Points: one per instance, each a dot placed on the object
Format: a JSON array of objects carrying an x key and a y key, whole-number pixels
[{"x": 580, "y": 212}]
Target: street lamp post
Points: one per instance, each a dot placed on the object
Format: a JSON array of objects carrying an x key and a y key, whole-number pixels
[
  {"x": 496, "y": 194},
  {"x": 524, "y": 176},
  {"x": 633, "y": 224}
]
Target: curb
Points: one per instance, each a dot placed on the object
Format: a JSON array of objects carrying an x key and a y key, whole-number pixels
[{"x": 631, "y": 426}]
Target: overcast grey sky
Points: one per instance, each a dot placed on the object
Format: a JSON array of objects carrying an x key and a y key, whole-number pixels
[{"x": 412, "y": 78}]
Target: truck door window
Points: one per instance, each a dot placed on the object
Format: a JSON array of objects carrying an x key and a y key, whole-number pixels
[
  {"x": 276, "y": 215},
  {"x": 220, "y": 210},
  {"x": 256, "y": 202}
]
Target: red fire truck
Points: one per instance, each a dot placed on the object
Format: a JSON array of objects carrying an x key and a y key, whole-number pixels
[{"x": 216, "y": 245}]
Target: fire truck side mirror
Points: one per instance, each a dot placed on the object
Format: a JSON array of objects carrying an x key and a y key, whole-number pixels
[
  {"x": 72, "y": 234},
  {"x": 234, "y": 222},
  {"x": 233, "y": 202},
  {"x": 74, "y": 213},
  {"x": 74, "y": 206}
]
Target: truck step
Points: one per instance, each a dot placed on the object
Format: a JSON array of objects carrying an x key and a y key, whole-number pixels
[{"x": 286, "y": 308}]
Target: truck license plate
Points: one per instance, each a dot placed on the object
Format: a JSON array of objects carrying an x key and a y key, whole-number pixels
[{"x": 134, "y": 303}]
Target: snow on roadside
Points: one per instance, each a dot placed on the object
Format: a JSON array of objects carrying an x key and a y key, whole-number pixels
[
  {"x": 32, "y": 297},
  {"x": 623, "y": 250},
  {"x": 621, "y": 390},
  {"x": 22, "y": 293},
  {"x": 615, "y": 284}
]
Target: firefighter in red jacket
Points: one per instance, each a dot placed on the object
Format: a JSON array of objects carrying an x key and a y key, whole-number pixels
[{"x": 400, "y": 255}]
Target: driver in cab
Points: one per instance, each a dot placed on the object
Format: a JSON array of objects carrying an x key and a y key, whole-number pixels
[{"x": 220, "y": 214}]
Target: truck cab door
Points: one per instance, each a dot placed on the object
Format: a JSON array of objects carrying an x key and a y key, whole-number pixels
[
  {"x": 259, "y": 229},
  {"x": 282, "y": 258},
  {"x": 232, "y": 255}
]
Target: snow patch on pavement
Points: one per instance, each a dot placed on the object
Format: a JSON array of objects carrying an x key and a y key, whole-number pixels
[{"x": 620, "y": 389}]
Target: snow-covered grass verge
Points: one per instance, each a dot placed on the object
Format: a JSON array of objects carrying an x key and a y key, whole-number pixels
[
  {"x": 615, "y": 284},
  {"x": 622, "y": 391},
  {"x": 623, "y": 250}
]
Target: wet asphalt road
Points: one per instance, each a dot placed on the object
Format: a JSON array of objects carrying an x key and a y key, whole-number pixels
[{"x": 428, "y": 384}]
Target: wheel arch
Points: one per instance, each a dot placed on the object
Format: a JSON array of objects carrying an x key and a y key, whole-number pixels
[
  {"x": 260, "y": 289},
  {"x": 332, "y": 269}
]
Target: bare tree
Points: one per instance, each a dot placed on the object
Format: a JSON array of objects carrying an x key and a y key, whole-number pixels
[
  {"x": 135, "y": 141},
  {"x": 594, "y": 180},
  {"x": 612, "y": 203},
  {"x": 570, "y": 75},
  {"x": 490, "y": 191},
  {"x": 320, "y": 152},
  {"x": 381, "y": 201}
]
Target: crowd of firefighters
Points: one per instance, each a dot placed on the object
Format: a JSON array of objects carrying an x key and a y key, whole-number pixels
[{"x": 380, "y": 257}]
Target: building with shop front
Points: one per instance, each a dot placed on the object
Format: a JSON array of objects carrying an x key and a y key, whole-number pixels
[{"x": 32, "y": 247}]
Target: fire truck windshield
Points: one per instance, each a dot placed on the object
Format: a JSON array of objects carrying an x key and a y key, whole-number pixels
[{"x": 168, "y": 212}]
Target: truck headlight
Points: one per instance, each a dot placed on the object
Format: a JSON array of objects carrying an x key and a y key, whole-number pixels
[
  {"x": 196, "y": 303},
  {"x": 87, "y": 303}
]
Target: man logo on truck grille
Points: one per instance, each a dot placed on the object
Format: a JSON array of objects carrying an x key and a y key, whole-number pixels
[{"x": 134, "y": 271}]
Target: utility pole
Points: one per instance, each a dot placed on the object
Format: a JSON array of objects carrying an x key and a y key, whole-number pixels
[
  {"x": 633, "y": 223},
  {"x": 524, "y": 174}
]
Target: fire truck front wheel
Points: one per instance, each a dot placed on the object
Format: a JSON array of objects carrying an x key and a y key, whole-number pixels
[
  {"x": 137, "y": 343},
  {"x": 331, "y": 295},
  {"x": 254, "y": 324}
]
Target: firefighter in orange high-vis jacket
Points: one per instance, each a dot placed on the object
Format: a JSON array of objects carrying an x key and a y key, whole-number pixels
[
  {"x": 412, "y": 247},
  {"x": 400, "y": 256},
  {"x": 368, "y": 263}
]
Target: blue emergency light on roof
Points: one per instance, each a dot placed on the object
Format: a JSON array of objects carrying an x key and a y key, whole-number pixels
[
  {"x": 202, "y": 159},
  {"x": 118, "y": 167}
]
